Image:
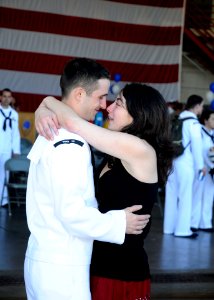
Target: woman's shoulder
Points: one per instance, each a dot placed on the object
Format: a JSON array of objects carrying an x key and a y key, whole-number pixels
[
  {"x": 144, "y": 151},
  {"x": 143, "y": 166}
]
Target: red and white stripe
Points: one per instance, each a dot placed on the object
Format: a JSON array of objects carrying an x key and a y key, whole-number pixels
[{"x": 141, "y": 40}]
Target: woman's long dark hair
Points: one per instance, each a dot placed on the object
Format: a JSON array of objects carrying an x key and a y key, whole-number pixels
[{"x": 151, "y": 122}]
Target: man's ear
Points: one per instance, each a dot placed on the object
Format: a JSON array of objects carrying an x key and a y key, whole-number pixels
[{"x": 78, "y": 93}]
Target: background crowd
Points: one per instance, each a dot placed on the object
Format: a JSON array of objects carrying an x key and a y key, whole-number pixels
[{"x": 190, "y": 188}]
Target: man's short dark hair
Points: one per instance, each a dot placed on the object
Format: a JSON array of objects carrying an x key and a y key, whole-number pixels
[
  {"x": 193, "y": 100},
  {"x": 82, "y": 72},
  {"x": 6, "y": 90}
]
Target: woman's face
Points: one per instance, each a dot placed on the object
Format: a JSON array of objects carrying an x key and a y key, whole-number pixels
[{"x": 118, "y": 114}]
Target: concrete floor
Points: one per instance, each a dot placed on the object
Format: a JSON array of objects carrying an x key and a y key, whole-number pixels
[{"x": 181, "y": 268}]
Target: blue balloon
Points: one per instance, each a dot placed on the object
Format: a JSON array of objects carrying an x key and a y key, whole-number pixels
[
  {"x": 212, "y": 87},
  {"x": 99, "y": 119},
  {"x": 26, "y": 124},
  {"x": 212, "y": 104},
  {"x": 117, "y": 77}
]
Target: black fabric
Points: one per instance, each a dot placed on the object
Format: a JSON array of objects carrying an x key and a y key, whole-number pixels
[
  {"x": 69, "y": 141},
  {"x": 98, "y": 161},
  {"x": 212, "y": 173},
  {"x": 7, "y": 118},
  {"x": 176, "y": 135},
  {"x": 117, "y": 189}
]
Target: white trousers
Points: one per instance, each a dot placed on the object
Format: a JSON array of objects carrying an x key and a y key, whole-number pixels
[
  {"x": 3, "y": 158},
  {"x": 178, "y": 200},
  {"x": 198, "y": 187},
  {"x": 45, "y": 281},
  {"x": 207, "y": 203}
]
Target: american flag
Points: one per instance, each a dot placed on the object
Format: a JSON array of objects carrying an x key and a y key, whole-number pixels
[{"x": 141, "y": 40}]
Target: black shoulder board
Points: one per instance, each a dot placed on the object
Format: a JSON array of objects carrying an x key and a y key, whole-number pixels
[{"x": 70, "y": 141}]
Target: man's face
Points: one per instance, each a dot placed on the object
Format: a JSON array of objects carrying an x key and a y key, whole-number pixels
[
  {"x": 6, "y": 98},
  {"x": 87, "y": 106},
  {"x": 200, "y": 108},
  {"x": 91, "y": 104}
]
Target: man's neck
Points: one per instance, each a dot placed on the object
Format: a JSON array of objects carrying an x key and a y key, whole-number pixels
[
  {"x": 193, "y": 111},
  {"x": 4, "y": 106}
]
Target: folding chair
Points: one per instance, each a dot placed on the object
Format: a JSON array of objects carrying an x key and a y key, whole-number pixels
[{"x": 15, "y": 181}]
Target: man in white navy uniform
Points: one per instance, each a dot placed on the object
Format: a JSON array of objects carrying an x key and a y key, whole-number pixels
[
  {"x": 62, "y": 210},
  {"x": 9, "y": 136},
  {"x": 179, "y": 187}
]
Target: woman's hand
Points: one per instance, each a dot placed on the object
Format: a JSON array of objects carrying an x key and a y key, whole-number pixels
[{"x": 46, "y": 121}]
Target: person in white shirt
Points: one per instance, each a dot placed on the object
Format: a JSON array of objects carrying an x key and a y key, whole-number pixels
[
  {"x": 203, "y": 200},
  {"x": 9, "y": 136},
  {"x": 62, "y": 213},
  {"x": 179, "y": 188}
]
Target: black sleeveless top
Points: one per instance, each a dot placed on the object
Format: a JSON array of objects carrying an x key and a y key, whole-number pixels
[{"x": 117, "y": 189}]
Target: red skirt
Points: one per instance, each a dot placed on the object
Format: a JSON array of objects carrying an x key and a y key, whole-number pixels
[{"x": 113, "y": 289}]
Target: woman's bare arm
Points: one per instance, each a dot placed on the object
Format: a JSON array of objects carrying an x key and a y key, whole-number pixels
[
  {"x": 46, "y": 121},
  {"x": 121, "y": 145}
]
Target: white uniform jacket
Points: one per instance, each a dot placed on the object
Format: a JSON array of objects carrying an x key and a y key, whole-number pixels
[
  {"x": 192, "y": 141},
  {"x": 207, "y": 144},
  {"x": 62, "y": 212},
  {"x": 9, "y": 138}
]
